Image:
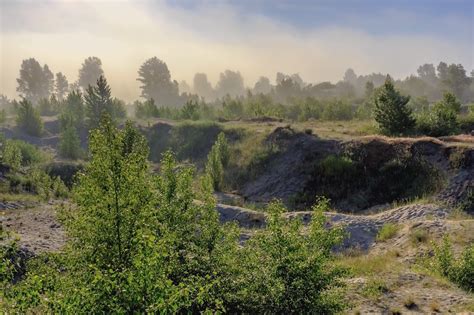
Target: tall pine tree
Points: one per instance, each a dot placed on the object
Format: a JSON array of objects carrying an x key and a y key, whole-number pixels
[{"x": 98, "y": 101}]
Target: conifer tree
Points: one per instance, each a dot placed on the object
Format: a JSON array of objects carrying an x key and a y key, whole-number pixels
[
  {"x": 391, "y": 112},
  {"x": 98, "y": 101}
]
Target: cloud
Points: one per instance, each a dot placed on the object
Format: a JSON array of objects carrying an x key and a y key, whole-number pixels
[{"x": 205, "y": 38}]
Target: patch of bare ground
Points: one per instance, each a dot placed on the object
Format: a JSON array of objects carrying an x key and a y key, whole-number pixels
[
  {"x": 36, "y": 228},
  {"x": 391, "y": 278}
]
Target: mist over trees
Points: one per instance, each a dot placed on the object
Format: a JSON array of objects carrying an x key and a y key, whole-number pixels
[
  {"x": 203, "y": 87},
  {"x": 90, "y": 71},
  {"x": 61, "y": 86},
  {"x": 35, "y": 81},
  {"x": 98, "y": 101},
  {"x": 230, "y": 83},
  {"x": 156, "y": 82}
]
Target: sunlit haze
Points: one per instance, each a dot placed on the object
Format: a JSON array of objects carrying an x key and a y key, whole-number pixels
[{"x": 317, "y": 39}]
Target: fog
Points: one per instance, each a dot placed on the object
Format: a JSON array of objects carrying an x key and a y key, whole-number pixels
[{"x": 209, "y": 38}]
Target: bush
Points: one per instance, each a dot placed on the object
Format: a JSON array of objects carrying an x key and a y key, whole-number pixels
[
  {"x": 28, "y": 119},
  {"x": 46, "y": 187},
  {"x": 190, "y": 110},
  {"x": 458, "y": 270},
  {"x": 217, "y": 160},
  {"x": 70, "y": 144},
  {"x": 281, "y": 272},
  {"x": 440, "y": 121},
  {"x": 20, "y": 153},
  {"x": 146, "y": 109},
  {"x": 11, "y": 155},
  {"x": 73, "y": 109}
]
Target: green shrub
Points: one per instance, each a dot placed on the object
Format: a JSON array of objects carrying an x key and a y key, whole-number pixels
[
  {"x": 281, "y": 272},
  {"x": 28, "y": 119},
  {"x": 46, "y": 187},
  {"x": 190, "y": 110},
  {"x": 146, "y": 109},
  {"x": 70, "y": 144},
  {"x": 459, "y": 270},
  {"x": 388, "y": 231},
  {"x": 20, "y": 153},
  {"x": 73, "y": 109},
  {"x": 440, "y": 121},
  {"x": 11, "y": 155},
  {"x": 217, "y": 160}
]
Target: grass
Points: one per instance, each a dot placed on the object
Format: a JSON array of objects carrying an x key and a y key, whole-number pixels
[
  {"x": 388, "y": 231},
  {"x": 419, "y": 236},
  {"x": 7, "y": 197},
  {"x": 375, "y": 288},
  {"x": 368, "y": 265}
]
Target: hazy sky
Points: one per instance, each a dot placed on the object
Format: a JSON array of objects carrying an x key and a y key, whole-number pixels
[{"x": 317, "y": 39}]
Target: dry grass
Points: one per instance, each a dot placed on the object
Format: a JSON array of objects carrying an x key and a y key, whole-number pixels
[{"x": 369, "y": 265}]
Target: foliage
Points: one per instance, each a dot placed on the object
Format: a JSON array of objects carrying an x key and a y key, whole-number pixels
[
  {"x": 46, "y": 187},
  {"x": 190, "y": 110},
  {"x": 20, "y": 153},
  {"x": 73, "y": 109},
  {"x": 35, "y": 82},
  {"x": 156, "y": 82},
  {"x": 458, "y": 270},
  {"x": 61, "y": 86},
  {"x": 282, "y": 271},
  {"x": 217, "y": 160},
  {"x": 98, "y": 102},
  {"x": 442, "y": 119},
  {"x": 28, "y": 118},
  {"x": 11, "y": 155},
  {"x": 146, "y": 109},
  {"x": 90, "y": 72},
  {"x": 118, "y": 110},
  {"x": 152, "y": 244},
  {"x": 391, "y": 111},
  {"x": 70, "y": 144}
]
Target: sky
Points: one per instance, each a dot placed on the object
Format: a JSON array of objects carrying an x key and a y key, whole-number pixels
[{"x": 317, "y": 39}]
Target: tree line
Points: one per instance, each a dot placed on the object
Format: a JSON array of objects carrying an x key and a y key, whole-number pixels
[{"x": 37, "y": 82}]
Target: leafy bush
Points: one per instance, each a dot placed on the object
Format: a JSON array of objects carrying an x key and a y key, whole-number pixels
[
  {"x": 459, "y": 270},
  {"x": 28, "y": 119},
  {"x": 18, "y": 153},
  {"x": 40, "y": 183},
  {"x": 282, "y": 272},
  {"x": 11, "y": 155},
  {"x": 440, "y": 121}
]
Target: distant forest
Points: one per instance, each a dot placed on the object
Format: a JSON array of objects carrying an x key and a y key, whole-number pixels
[{"x": 37, "y": 82}]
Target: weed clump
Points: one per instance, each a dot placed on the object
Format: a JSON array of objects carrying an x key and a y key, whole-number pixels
[{"x": 388, "y": 231}]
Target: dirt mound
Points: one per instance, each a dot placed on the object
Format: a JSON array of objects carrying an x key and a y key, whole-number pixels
[
  {"x": 360, "y": 173},
  {"x": 288, "y": 172}
]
